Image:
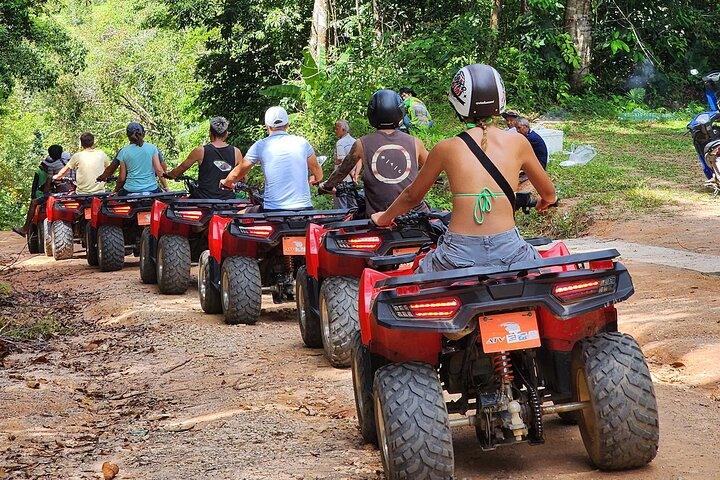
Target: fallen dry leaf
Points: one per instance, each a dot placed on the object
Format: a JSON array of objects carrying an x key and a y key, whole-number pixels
[{"x": 109, "y": 470}]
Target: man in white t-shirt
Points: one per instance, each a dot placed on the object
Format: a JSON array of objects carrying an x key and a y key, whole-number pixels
[
  {"x": 88, "y": 163},
  {"x": 342, "y": 148},
  {"x": 287, "y": 162}
]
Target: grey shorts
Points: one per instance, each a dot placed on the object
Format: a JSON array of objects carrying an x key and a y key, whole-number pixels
[{"x": 462, "y": 251}]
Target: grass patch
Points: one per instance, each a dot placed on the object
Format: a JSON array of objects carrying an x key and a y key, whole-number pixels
[{"x": 38, "y": 329}]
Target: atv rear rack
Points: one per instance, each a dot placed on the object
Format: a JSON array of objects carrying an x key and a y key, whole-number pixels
[
  {"x": 521, "y": 268},
  {"x": 492, "y": 290}
]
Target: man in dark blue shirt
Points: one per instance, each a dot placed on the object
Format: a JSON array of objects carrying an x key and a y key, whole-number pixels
[{"x": 538, "y": 144}]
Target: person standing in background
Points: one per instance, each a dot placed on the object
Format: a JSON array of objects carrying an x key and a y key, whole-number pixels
[
  {"x": 511, "y": 119},
  {"x": 536, "y": 141},
  {"x": 416, "y": 113},
  {"x": 342, "y": 148}
]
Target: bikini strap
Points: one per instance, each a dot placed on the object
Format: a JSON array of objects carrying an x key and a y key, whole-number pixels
[{"x": 489, "y": 166}]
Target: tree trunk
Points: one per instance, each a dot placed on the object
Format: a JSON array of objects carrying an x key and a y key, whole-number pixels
[
  {"x": 319, "y": 28},
  {"x": 578, "y": 25},
  {"x": 377, "y": 17},
  {"x": 495, "y": 14}
]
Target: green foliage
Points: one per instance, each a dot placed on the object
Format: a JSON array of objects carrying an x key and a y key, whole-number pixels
[{"x": 33, "y": 48}]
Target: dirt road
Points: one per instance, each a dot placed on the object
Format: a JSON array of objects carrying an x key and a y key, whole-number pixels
[{"x": 151, "y": 383}]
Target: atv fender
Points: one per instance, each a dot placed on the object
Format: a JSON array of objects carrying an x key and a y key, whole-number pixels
[
  {"x": 218, "y": 226},
  {"x": 394, "y": 345}
]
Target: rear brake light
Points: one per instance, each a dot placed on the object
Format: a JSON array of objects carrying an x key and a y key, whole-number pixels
[
  {"x": 121, "y": 209},
  {"x": 369, "y": 243},
  {"x": 436, "y": 308},
  {"x": 257, "y": 230},
  {"x": 584, "y": 288},
  {"x": 70, "y": 205},
  {"x": 601, "y": 265},
  {"x": 192, "y": 215}
]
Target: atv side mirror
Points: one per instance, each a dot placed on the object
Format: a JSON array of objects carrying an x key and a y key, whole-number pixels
[{"x": 694, "y": 72}]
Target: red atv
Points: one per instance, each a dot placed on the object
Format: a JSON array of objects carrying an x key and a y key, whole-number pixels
[
  {"x": 509, "y": 346},
  {"x": 116, "y": 225},
  {"x": 250, "y": 251},
  {"x": 177, "y": 236},
  {"x": 326, "y": 288},
  {"x": 67, "y": 222}
]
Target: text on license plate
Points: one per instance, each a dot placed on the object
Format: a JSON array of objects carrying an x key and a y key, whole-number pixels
[
  {"x": 294, "y": 246},
  {"x": 509, "y": 331},
  {"x": 143, "y": 218},
  {"x": 88, "y": 213}
]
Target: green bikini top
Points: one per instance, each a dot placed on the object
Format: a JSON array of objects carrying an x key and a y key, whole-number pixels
[
  {"x": 483, "y": 203},
  {"x": 483, "y": 200}
]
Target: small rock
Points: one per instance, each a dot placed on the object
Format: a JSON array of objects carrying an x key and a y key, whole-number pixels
[
  {"x": 32, "y": 384},
  {"x": 109, "y": 470}
]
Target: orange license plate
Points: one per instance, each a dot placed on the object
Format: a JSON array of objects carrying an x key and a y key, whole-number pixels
[
  {"x": 144, "y": 218},
  {"x": 88, "y": 214},
  {"x": 294, "y": 246},
  {"x": 509, "y": 331}
]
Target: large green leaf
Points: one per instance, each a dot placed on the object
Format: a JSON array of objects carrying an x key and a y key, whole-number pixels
[{"x": 282, "y": 91}]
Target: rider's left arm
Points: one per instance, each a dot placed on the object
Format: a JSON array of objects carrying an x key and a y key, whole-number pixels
[
  {"x": 194, "y": 157},
  {"x": 316, "y": 173},
  {"x": 347, "y": 165},
  {"x": 415, "y": 192},
  {"x": 237, "y": 173},
  {"x": 122, "y": 176}
]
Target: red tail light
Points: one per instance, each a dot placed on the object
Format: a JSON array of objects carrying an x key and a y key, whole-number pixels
[
  {"x": 263, "y": 231},
  {"x": 369, "y": 243},
  {"x": 571, "y": 291},
  {"x": 436, "y": 308},
  {"x": 70, "y": 205},
  {"x": 191, "y": 215},
  {"x": 121, "y": 209}
]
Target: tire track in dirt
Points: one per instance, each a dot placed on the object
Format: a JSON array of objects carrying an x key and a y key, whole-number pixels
[{"x": 165, "y": 391}]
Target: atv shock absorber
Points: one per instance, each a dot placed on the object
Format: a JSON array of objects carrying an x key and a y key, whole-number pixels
[
  {"x": 289, "y": 264},
  {"x": 502, "y": 365}
]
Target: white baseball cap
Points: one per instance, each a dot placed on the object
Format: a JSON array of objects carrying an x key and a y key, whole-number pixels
[{"x": 276, "y": 117}]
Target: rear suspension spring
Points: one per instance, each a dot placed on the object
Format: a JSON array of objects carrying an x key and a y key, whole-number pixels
[{"x": 502, "y": 365}]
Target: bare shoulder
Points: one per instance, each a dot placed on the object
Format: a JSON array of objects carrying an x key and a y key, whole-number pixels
[{"x": 447, "y": 145}]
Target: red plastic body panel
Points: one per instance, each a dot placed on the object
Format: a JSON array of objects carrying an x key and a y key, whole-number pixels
[
  {"x": 38, "y": 215},
  {"x": 403, "y": 345},
  {"x": 395, "y": 345},
  {"x": 327, "y": 264},
  {"x": 55, "y": 212},
  {"x": 561, "y": 335},
  {"x": 97, "y": 218},
  {"x": 218, "y": 225},
  {"x": 161, "y": 225}
]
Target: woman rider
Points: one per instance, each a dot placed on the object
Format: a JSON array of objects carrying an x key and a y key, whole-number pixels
[
  {"x": 478, "y": 164},
  {"x": 140, "y": 167},
  {"x": 215, "y": 160}
]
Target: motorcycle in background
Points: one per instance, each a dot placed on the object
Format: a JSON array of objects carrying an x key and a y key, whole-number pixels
[{"x": 705, "y": 134}]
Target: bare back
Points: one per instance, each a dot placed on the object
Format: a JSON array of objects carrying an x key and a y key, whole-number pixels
[{"x": 510, "y": 152}]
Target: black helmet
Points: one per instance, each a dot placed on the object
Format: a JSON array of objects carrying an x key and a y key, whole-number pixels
[
  {"x": 385, "y": 109},
  {"x": 477, "y": 91}
]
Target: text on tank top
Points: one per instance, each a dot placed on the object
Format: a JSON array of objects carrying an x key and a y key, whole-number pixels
[
  {"x": 389, "y": 165},
  {"x": 215, "y": 166}
]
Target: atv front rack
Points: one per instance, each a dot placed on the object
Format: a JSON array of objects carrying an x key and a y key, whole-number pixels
[{"x": 477, "y": 291}]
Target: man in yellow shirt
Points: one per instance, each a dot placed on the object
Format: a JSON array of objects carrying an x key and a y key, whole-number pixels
[{"x": 89, "y": 163}]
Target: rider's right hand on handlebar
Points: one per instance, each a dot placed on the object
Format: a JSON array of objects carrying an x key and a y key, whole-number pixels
[
  {"x": 227, "y": 185},
  {"x": 377, "y": 219},
  {"x": 542, "y": 205}
]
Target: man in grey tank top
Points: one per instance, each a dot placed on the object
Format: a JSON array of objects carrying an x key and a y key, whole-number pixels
[{"x": 390, "y": 158}]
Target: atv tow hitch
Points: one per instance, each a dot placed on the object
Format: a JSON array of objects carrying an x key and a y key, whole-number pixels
[{"x": 470, "y": 420}]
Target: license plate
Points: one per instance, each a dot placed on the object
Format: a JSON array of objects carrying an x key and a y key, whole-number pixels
[
  {"x": 143, "y": 218},
  {"x": 402, "y": 251},
  {"x": 88, "y": 213},
  {"x": 509, "y": 331},
  {"x": 294, "y": 245}
]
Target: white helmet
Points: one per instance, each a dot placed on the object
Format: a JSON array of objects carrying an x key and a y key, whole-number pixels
[{"x": 477, "y": 91}]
